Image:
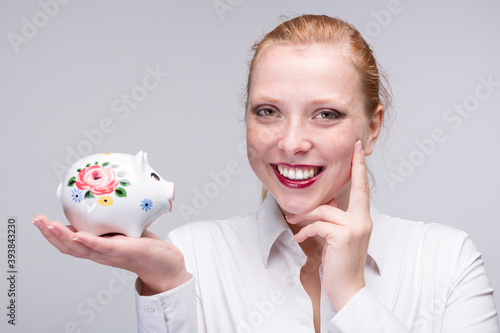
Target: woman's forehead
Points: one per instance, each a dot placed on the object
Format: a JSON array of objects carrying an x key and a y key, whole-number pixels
[{"x": 317, "y": 71}]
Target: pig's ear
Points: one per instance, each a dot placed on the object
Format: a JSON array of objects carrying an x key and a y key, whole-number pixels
[
  {"x": 59, "y": 192},
  {"x": 140, "y": 161}
]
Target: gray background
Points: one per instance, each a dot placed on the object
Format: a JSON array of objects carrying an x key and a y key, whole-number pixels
[{"x": 64, "y": 79}]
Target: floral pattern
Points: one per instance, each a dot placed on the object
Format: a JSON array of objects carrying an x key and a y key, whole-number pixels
[
  {"x": 77, "y": 195},
  {"x": 146, "y": 204},
  {"x": 97, "y": 180},
  {"x": 105, "y": 201}
]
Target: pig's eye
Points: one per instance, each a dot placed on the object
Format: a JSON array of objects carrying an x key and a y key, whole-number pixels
[{"x": 155, "y": 176}]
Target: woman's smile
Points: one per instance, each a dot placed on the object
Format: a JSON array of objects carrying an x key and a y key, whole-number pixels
[
  {"x": 297, "y": 176},
  {"x": 297, "y": 172}
]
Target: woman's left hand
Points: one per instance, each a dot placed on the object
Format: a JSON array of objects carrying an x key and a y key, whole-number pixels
[{"x": 345, "y": 235}]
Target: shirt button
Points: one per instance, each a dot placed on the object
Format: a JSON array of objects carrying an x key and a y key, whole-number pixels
[
  {"x": 305, "y": 321},
  {"x": 149, "y": 309}
]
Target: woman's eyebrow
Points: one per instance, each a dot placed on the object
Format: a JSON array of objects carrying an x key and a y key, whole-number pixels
[
  {"x": 264, "y": 99},
  {"x": 333, "y": 101},
  {"x": 321, "y": 101}
]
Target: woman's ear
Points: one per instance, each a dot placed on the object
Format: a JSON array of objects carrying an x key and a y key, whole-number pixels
[{"x": 374, "y": 128}]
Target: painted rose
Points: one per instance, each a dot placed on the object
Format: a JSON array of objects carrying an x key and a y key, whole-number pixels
[{"x": 97, "y": 179}]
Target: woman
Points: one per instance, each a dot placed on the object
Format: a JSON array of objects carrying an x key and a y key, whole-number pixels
[{"x": 317, "y": 257}]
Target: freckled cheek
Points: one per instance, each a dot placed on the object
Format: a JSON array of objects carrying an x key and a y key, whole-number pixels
[
  {"x": 339, "y": 154},
  {"x": 341, "y": 143},
  {"x": 259, "y": 140},
  {"x": 340, "y": 161},
  {"x": 252, "y": 140}
]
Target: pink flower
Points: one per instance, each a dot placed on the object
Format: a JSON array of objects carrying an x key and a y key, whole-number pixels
[{"x": 97, "y": 179}]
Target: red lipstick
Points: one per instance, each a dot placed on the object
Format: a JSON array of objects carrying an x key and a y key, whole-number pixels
[{"x": 295, "y": 183}]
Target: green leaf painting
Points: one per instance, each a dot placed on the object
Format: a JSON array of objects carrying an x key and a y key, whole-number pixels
[
  {"x": 120, "y": 192},
  {"x": 124, "y": 182},
  {"x": 72, "y": 181}
]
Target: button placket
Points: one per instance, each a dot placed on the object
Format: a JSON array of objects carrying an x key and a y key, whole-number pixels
[
  {"x": 149, "y": 309},
  {"x": 305, "y": 322}
]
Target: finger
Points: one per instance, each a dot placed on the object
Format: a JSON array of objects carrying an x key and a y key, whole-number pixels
[
  {"x": 323, "y": 213},
  {"x": 318, "y": 228},
  {"x": 359, "y": 199},
  {"x": 39, "y": 221},
  {"x": 101, "y": 245},
  {"x": 61, "y": 237},
  {"x": 50, "y": 233}
]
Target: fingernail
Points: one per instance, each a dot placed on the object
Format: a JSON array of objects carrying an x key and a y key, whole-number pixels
[
  {"x": 36, "y": 222},
  {"x": 360, "y": 146},
  {"x": 54, "y": 231},
  {"x": 79, "y": 240}
]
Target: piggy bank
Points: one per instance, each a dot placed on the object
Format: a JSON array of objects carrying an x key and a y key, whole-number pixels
[{"x": 114, "y": 193}]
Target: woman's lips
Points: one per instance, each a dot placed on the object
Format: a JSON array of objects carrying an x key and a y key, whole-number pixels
[{"x": 297, "y": 176}]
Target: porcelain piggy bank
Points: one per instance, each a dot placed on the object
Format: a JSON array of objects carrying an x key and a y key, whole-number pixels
[{"x": 114, "y": 193}]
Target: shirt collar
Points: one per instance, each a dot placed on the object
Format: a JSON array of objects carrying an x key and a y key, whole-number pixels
[{"x": 272, "y": 224}]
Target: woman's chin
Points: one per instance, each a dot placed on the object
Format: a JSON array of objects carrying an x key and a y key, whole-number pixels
[{"x": 296, "y": 208}]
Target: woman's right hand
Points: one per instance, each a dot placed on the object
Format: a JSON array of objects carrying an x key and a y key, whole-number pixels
[{"x": 159, "y": 264}]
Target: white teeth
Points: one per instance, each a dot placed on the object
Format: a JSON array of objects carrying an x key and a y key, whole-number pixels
[{"x": 296, "y": 173}]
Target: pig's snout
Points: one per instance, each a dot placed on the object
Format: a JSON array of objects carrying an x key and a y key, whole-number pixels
[{"x": 170, "y": 194}]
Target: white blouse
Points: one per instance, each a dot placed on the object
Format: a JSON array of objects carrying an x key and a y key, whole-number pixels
[{"x": 246, "y": 278}]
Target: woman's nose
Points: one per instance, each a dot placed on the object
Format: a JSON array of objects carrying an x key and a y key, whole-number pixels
[{"x": 294, "y": 139}]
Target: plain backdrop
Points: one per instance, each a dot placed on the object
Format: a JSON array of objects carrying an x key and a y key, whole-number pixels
[{"x": 67, "y": 67}]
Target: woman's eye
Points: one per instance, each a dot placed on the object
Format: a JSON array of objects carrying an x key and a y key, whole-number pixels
[
  {"x": 267, "y": 112},
  {"x": 327, "y": 115},
  {"x": 155, "y": 176}
]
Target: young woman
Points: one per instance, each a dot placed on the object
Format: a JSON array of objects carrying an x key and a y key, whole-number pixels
[{"x": 317, "y": 257}]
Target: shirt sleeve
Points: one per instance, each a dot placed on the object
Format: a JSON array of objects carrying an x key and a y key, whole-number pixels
[
  {"x": 470, "y": 306},
  {"x": 174, "y": 310},
  {"x": 365, "y": 313}
]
